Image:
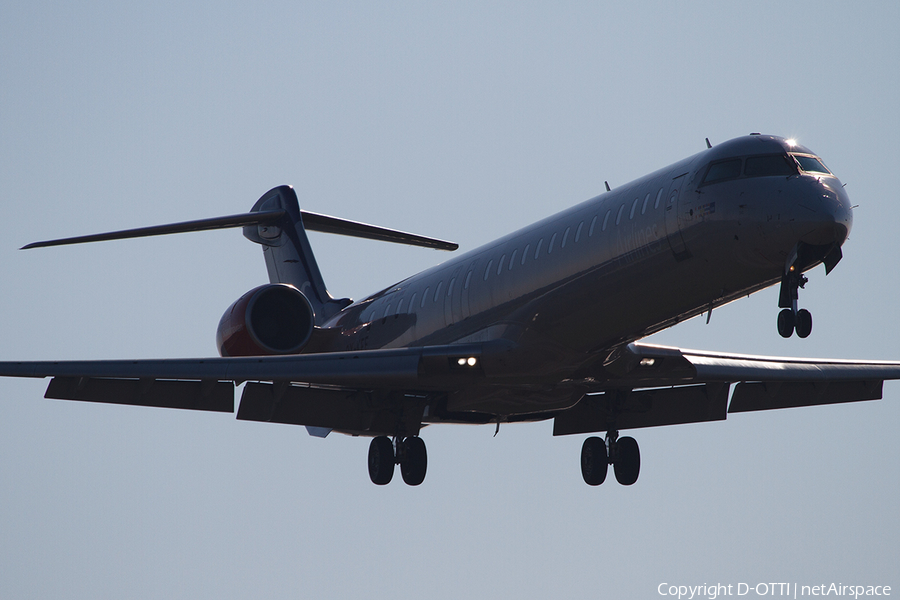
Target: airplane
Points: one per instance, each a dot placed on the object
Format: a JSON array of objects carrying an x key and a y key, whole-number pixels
[{"x": 543, "y": 323}]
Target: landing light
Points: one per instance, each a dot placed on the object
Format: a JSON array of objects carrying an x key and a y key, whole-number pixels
[
  {"x": 647, "y": 362},
  {"x": 467, "y": 362}
]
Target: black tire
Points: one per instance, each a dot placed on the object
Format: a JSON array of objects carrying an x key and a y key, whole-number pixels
[
  {"x": 594, "y": 461},
  {"x": 804, "y": 323},
  {"x": 786, "y": 323},
  {"x": 381, "y": 460},
  {"x": 414, "y": 462},
  {"x": 628, "y": 462}
]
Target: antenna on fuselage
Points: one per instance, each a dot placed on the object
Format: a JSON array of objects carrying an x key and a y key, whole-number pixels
[
  {"x": 607, "y": 186},
  {"x": 708, "y": 145}
]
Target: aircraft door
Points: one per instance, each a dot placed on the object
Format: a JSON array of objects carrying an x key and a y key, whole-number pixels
[{"x": 674, "y": 204}]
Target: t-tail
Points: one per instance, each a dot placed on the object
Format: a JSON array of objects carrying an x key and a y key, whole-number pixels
[{"x": 277, "y": 223}]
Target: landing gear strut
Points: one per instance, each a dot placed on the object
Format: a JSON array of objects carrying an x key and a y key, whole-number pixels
[
  {"x": 408, "y": 452},
  {"x": 791, "y": 319},
  {"x": 622, "y": 453}
]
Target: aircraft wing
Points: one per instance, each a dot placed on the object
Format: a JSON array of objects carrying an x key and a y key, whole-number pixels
[
  {"x": 640, "y": 385},
  {"x": 647, "y": 386},
  {"x": 328, "y": 394}
]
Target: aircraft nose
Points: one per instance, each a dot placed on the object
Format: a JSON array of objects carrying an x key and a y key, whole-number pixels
[{"x": 826, "y": 213}]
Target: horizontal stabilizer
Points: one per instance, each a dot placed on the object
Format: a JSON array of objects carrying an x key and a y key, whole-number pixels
[
  {"x": 311, "y": 222},
  {"x": 325, "y": 224},
  {"x": 255, "y": 218}
]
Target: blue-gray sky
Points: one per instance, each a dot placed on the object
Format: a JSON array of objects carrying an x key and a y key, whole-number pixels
[{"x": 461, "y": 121}]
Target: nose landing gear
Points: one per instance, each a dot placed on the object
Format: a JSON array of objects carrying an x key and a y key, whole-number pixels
[
  {"x": 791, "y": 318},
  {"x": 788, "y": 322}
]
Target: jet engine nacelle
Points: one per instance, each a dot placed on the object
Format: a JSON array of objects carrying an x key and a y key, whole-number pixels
[{"x": 275, "y": 318}]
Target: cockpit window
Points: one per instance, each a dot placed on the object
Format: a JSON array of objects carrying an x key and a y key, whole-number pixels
[
  {"x": 811, "y": 164},
  {"x": 727, "y": 169},
  {"x": 769, "y": 166}
]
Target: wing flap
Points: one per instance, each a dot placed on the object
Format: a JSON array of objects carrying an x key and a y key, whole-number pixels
[
  {"x": 644, "y": 408},
  {"x": 324, "y": 409},
  {"x": 755, "y": 396},
  {"x": 217, "y": 396}
]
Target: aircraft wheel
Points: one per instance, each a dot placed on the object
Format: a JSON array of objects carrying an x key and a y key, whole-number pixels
[
  {"x": 381, "y": 460},
  {"x": 804, "y": 323},
  {"x": 786, "y": 323},
  {"x": 628, "y": 461},
  {"x": 414, "y": 461},
  {"x": 594, "y": 461}
]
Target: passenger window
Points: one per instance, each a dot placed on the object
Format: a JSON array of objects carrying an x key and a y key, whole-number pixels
[
  {"x": 500, "y": 266},
  {"x": 633, "y": 206},
  {"x": 658, "y": 196},
  {"x": 619, "y": 214},
  {"x": 537, "y": 251},
  {"x": 437, "y": 291},
  {"x": 646, "y": 200},
  {"x": 487, "y": 269},
  {"x": 468, "y": 277},
  {"x": 606, "y": 220},
  {"x": 424, "y": 298},
  {"x": 578, "y": 232},
  {"x": 400, "y": 306},
  {"x": 450, "y": 287},
  {"x": 512, "y": 259},
  {"x": 550, "y": 245},
  {"x": 387, "y": 310},
  {"x": 724, "y": 170},
  {"x": 412, "y": 303},
  {"x": 525, "y": 252},
  {"x": 565, "y": 237}
]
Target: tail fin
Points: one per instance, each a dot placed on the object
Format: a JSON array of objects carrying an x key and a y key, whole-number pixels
[{"x": 289, "y": 257}]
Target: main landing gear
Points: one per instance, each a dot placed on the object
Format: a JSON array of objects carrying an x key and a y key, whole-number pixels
[
  {"x": 791, "y": 319},
  {"x": 622, "y": 453},
  {"x": 408, "y": 452}
]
